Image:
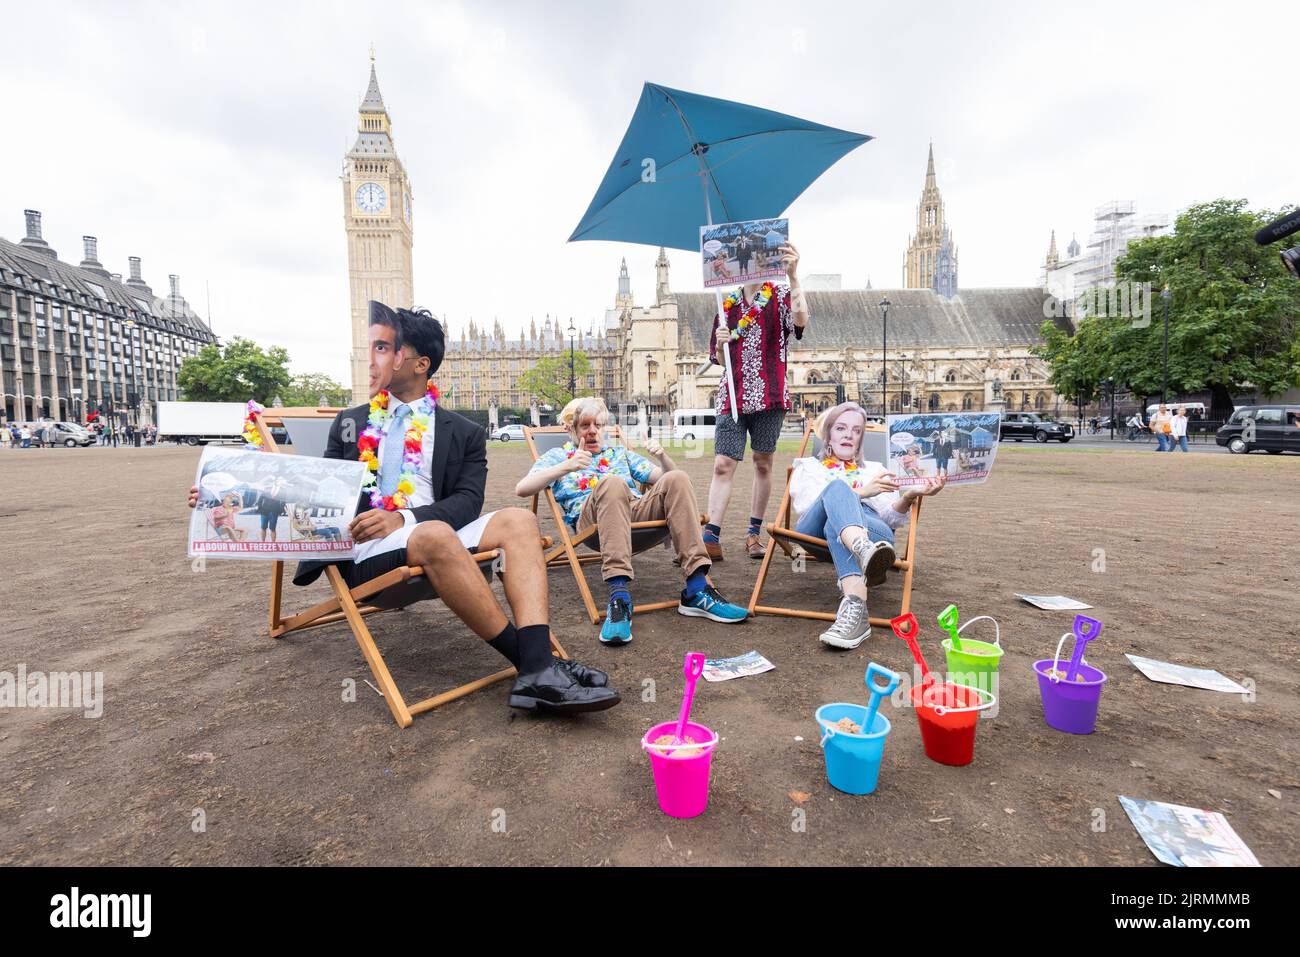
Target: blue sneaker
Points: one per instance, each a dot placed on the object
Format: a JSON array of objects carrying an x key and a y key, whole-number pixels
[
  {"x": 709, "y": 604},
  {"x": 617, "y": 629}
]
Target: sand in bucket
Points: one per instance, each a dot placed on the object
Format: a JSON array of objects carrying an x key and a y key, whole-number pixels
[
  {"x": 852, "y": 757},
  {"x": 971, "y": 662},
  {"x": 948, "y": 713},
  {"x": 681, "y": 771}
]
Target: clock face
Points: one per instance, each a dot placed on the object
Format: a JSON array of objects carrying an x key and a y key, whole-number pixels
[
  {"x": 371, "y": 198},
  {"x": 406, "y": 198}
]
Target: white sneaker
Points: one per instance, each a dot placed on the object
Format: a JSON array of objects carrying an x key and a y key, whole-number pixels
[
  {"x": 852, "y": 624},
  {"x": 874, "y": 558}
]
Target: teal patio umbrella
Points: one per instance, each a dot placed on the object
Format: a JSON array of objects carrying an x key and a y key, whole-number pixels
[{"x": 688, "y": 159}]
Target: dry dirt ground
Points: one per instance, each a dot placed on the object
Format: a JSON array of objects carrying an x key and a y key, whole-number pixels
[{"x": 204, "y": 712}]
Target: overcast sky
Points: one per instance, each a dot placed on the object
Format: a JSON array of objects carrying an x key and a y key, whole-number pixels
[{"x": 208, "y": 138}]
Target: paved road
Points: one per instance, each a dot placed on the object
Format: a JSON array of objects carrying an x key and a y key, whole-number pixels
[{"x": 1104, "y": 441}]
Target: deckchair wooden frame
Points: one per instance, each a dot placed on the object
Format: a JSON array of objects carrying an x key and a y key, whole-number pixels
[
  {"x": 352, "y": 605},
  {"x": 782, "y": 530},
  {"x": 565, "y": 551}
]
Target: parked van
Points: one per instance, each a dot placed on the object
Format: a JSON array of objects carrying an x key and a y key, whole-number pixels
[
  {"x": 691, "y": 424},
  {"x": 1195, "y": 410}
]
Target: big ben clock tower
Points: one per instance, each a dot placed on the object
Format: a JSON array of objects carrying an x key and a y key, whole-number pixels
[{"x": 377, "y": 218}]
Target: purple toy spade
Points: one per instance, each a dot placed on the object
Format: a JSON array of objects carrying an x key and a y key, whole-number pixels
[
  {"x": 692, "y": 668},
  {"x": 1085, "y": 630}
]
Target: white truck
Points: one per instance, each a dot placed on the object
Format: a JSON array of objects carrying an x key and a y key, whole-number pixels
[{"x": 197, "y": 423}]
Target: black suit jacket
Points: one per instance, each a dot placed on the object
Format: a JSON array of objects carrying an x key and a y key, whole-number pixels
[{"x": 458, "y": 471}]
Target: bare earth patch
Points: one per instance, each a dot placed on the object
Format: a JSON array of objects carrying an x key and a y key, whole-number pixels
[{"x": 203, "y": 711}]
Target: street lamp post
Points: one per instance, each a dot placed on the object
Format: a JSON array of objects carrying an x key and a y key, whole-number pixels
[
  {"x": 1164, "y": 381},
  {"x": 884, "y": 357},
  {"x": 573, "y": 385}
]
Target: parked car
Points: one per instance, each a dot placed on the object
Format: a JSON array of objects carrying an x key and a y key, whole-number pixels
[
  {"x": 1030, "y": 425},
  {"x": 1274, "y": 428},
  {"x": 509, "y": 433}
]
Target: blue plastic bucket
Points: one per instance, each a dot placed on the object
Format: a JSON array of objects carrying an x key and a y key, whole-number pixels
[{"x": 852, "y": 760}]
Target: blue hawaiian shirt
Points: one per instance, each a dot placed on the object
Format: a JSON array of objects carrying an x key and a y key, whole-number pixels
[{"x": 572, "y": 489}]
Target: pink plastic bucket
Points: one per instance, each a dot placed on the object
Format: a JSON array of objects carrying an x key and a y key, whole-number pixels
[{"x": 681, "y": 784}]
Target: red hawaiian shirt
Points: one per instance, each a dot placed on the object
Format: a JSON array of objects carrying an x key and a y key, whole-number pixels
[{"x": 758, "y": 358}]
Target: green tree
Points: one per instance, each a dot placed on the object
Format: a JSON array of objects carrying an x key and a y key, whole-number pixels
[
  {"x": 548, "y": 379},
  {"x": 1233, "y": 312},
  {"x": 237, "y": 373},
  {"x": 315, "y": 388}
]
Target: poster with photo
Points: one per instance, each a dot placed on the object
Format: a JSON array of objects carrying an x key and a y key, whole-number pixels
[
  {"x": 284, "y": 507},
  {"x": 738, "y": 253},
  {"x": 962, "y": 445},
  {"x": 1187, "y": 836}
]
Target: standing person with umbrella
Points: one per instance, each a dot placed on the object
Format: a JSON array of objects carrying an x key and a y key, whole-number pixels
[{"x": 759, "y": 322}]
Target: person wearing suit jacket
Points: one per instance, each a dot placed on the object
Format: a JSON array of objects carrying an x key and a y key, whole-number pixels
[{"x": 423, "y": 509}]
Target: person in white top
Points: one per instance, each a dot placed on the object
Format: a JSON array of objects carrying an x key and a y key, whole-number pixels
[
  {"x": 856, "y": 506},
  {"x": 1162, "y": 427},
  {"x": 1178, "y": 431}
]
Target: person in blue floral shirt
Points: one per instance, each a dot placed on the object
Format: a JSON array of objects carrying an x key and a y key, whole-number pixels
[{"x": 599, "y": 485}]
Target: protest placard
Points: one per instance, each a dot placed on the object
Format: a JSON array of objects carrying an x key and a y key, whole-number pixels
[
  {"x": 255, "y": 505},
  {"x": 962, "y": 445},
  {"x": 737, "y": 253}
]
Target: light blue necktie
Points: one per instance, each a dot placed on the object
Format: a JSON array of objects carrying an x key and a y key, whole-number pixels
[{"x": 394, "y": 444}]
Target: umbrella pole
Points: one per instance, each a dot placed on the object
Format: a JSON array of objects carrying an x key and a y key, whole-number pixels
[{"x": 717, "y": 295}]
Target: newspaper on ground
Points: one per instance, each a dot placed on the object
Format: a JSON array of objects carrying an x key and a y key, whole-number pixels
[
  {"x": 1187, "y": 836},
  {"x": 724, "y": 669},
  {"x": 283, "y": 507},
  {"x": 739, "y": 253},
  {"x": 961, "y": 445},
  {"x": 1172, "y": 674},
  {"x": 1053, "y": 602}
]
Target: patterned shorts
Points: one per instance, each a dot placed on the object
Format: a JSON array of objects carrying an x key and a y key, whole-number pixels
[{"x": 764, "y": 428}]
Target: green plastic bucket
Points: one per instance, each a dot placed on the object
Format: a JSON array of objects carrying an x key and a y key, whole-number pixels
[{"x": 976, "y": 665}]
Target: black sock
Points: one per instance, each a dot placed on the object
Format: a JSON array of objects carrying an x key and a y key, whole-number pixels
[
  {"x": 508, "y": 644},
  {"x": 534, "y": 648}
]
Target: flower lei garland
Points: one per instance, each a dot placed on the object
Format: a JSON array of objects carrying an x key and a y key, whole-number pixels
[
  {"x": 835, "y": 463},
  {"x": 252, "y": 437},
  {"x": 755, "y": 309},
  {"x": 601, "y": 465},
  {"x": 412, "y": 450}
]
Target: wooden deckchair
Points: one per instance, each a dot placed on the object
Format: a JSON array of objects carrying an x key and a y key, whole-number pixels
[
  {"x": 397, "y": 589},
  {"x": 782, "y": 534},
  {"x": 645, "y": 535}
]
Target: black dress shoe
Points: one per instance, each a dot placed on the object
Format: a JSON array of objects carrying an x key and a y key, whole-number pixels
[
  {"x": 554, "y": 688},
  {"x": 587, "y": 677}
]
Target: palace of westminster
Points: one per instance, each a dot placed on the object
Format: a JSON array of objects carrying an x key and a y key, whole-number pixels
[{"x": 78, "y": 338}]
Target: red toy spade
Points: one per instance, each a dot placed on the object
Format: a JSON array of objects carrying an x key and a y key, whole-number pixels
[{"x": 905, "y": 627}]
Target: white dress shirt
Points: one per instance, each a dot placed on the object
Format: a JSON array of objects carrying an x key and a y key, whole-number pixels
[
  {"x": 811, "y": 477},
  {"x": 423, "y": 494}
]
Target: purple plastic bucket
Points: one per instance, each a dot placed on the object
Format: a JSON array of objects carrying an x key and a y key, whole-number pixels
[{"x": 1070, "y": 706}]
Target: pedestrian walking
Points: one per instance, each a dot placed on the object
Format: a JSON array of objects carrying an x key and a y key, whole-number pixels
[
  {"x": 1160, "y": 425},
  {"x": 1178, "y": 431},
  {"x": 26, "y": 435}
]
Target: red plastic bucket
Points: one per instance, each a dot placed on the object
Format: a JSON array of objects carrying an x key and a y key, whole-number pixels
[{"x": 948, "y": 714}]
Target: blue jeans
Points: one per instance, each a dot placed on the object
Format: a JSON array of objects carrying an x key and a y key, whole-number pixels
[
  {"x": 838, "y": 508},
  {"x": 1164, "y": 442},
  {"x": 1179, "y": 443}
]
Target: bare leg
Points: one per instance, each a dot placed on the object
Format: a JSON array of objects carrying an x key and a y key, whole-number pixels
[
  {"x": 762, "y": 484},
  {"x": 724, "y": 470},
  {"x": 516, "y": 533},
  {"x": 854, "y": 586},
  {"x": 456, "y": 577}
]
